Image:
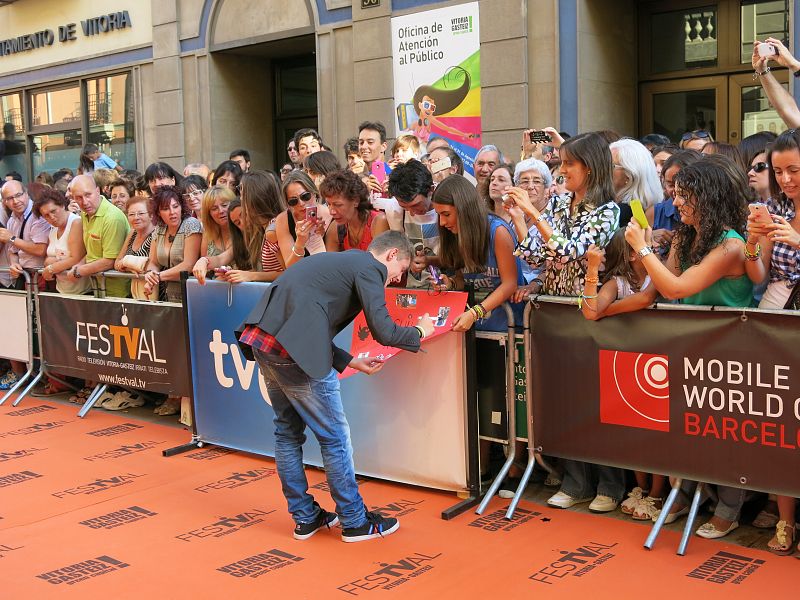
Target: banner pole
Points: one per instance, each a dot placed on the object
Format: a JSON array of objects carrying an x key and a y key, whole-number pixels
[
  {"x": 29, "y": 371},
  {"x": 195, "y": 441},
  {"x": 665, "y": 508},
  {"x": 511, "y": 410}
]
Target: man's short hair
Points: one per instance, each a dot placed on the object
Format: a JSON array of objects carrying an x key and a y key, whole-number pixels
[
  {"x": 305, "y": 132},
  {"x": 351, "y": 147},
  {"x": 392, "y": 239},
  {"x": 374, "y": 126},
  {"x": 491, "y": 148},
  {"x": 242, "y": 152},
  {"x": 14, "y": 175},
  {"x": 408, "y": 180}
]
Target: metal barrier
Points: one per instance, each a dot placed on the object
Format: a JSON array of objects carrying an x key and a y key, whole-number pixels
[
  {"x": 510, "y": 409},
  {"x": 30, "y": 310}
]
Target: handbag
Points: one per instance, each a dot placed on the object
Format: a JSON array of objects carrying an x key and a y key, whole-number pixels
[{"x": 793, "y": 303}]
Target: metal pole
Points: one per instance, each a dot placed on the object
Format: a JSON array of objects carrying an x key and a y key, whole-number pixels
[
  {"x": 29, "y": 371},
  {"x": 93, "y": 397},
  {"x": 665, "y": 508},
  {"x": 510, "y": 409},
  {"x": 687, "y": 531}
]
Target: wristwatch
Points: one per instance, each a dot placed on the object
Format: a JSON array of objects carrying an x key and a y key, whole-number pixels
[
  {"x": 645, "y": 251},
  {"x": 12, "y": 239},
  {"x": 76, "y": 274}
]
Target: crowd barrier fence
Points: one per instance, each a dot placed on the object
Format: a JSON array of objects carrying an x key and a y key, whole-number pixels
[{"x": 17, "y": 307}]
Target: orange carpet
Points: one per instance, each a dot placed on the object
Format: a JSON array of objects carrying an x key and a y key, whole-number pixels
[{"x": 90, "y": 509}]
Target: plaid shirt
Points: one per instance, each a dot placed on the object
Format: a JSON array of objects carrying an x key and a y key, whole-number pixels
[
  {"x": 258, "y": 339},
  {"x": 785, "y": 262}
]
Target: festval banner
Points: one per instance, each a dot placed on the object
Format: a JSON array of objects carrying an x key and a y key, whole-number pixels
[
  {"x": 437, "y": 77},
  {"x": 406, "y": 307},
  {"x": 116, "y": 341},
  {"x": 711, "y": 396}
]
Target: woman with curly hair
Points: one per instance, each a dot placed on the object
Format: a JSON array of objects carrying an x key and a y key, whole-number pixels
[
  {"x": 706, "y": 266},
  {"x": 357, "y": 223}
]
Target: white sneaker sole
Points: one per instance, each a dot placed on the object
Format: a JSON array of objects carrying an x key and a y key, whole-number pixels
[
  {"x": 371, "y": 536},
  {"x": 333, "y": 523}
]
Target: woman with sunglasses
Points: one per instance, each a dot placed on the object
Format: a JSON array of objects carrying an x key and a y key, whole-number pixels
[
  {"x": 297, "y": 235},
  {"x": 695, "y": 140}
]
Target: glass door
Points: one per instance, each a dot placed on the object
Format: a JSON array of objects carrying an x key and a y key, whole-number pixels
[
  {"x": 674, "y": 107},
  {"x": 750, "y": 111}
]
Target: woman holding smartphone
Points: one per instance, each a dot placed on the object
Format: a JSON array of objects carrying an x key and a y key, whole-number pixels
[
  {"x": 773, "y": 253},
  {"x": 300, "y": 229}
]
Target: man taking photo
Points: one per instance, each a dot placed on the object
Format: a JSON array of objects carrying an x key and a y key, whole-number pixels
[{"x": 289, "y": 333}]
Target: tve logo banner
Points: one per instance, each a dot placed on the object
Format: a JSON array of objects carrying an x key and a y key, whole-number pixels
[{"x": 233, "y": 409}]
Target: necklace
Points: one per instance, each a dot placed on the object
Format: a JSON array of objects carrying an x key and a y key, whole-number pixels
[
  {"x": 351, "y": 237},
  {"x": 171, "y": 238}
]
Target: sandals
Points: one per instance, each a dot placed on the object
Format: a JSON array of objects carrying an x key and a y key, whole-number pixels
[
  {"x": 81, "y": 396},
  {"x": 646, "y": 508},
  {"x": 629, "y": 505},
  {"x": 172, "y": 406},
  {"x": 782, "y": 543},
  {"x": 765, "y": 520}
]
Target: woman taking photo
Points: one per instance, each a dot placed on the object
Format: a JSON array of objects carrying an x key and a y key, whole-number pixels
[
  {"x": 175, "y": 246},
  {"x": 357, "y": 224},
  {"x": 298, "y": 236},
  {"x": 772, "y": 254},
  {"x": 587, "y": 215},
  {"x": 135, "y": 252},
  {"x": 706, "y": 266}
]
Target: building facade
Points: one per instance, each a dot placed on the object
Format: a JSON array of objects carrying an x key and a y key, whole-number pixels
[{"x": 190, "y": 80}]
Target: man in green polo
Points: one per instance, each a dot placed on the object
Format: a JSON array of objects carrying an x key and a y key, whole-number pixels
[{"x": 104, "y": 230}]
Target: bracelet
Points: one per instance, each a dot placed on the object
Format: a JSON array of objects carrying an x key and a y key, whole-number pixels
[
  {"x": 594, "y": 280},
  {"x": 752, "y": 255},
  {"x": 583, "y": 297},
  {"x": 757, "y": 73},
  {"x": 479, "y": 311},
  {"x": 295, "y": 252},
  {"x": 421, "y": 332},
  {"x": 541, "y": 217}
]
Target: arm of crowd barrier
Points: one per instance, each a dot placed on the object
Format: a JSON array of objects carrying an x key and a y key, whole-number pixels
[{"x": 30, "y": 297}]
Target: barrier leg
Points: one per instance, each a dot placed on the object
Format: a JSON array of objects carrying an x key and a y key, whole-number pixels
[
  {"x": 16, "y": 386},
  {"x": 690, "y": 518},
  {"x": 510, "y": 410},
  {"x": 193, "y": 445},
  {"x": 665, "y": 508},
  {"x": 93, "y": 397},
  {"x": 28, "y": 388}
]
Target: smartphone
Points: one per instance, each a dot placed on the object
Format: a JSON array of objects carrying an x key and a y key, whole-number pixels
[
  {"x": 761, "y": 213},
  {"x": 222, "y": 270},
  {"x": 638, "y": 213},
  {"x": 539, "y": 137},
  {"x": 379, "y": 171},
  {"x": 440, "y": 165},
  {"x": 766, "y": 49},
  {"x": 311, "y": 212},
  {"x": 435, "y": 274}
]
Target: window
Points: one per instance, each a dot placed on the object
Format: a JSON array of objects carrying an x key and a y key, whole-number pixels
[
  {"x": 54, "y": 107},
  {"x": 12, "y": 144},
  {"x": 683, "y": 39},
  {"x": 109, "y": 101},
  {"x": 761, "y": 20}
]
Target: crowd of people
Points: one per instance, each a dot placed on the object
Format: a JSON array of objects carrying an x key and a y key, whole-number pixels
[{"x": 558, "y": 221}]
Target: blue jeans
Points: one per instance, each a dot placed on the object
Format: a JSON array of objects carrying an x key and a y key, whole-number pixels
[
  {"x": 299, "y": 401},
  {"x": 584, "y": 480}
]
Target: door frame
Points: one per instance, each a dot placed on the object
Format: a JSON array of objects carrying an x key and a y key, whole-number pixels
[{"x": 735, "y": 85}]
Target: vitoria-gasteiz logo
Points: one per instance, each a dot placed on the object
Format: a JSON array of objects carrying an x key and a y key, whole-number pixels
[{"x": 634, "y": 389}]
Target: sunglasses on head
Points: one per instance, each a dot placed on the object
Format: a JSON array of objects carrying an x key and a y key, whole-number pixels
[
  {"x": 691, "y": 135},
  {"x": 305, "y": 197},
  {"x": 759, "y": 167}
]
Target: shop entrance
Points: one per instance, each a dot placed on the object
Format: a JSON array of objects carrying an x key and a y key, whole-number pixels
[{"x": 261, "y": 95}]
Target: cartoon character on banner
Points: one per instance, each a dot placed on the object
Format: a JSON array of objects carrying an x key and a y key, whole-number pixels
[{"x": 429, "y": 101}]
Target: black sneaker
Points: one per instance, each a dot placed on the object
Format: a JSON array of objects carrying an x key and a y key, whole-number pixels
[
  {"x": 303, "y": 531},
  {"x": 376, "y": 526},
  {"x": 509, "y": 487}
]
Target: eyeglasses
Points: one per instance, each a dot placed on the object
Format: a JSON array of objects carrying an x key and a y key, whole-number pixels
[
  {"x": 427, "y": 105},
  {"x": 759, "y": 167},
  {"x": 698, "y": 133},
  {"x": 193, "y": 194},
  {"x": 137, "y": 215},
  {"x": 304, "y": 197},
  {"x": 13, "y": 197},
  {"x": 286, "y": 171},
  {"x": 530, "y": 182}
]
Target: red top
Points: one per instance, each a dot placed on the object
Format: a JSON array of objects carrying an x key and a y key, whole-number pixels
[{"x": 366, "y": 234}]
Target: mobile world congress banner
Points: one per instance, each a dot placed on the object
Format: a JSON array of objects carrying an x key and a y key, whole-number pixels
[
  {"x": 711, "y": 396},
  {"x": 436, "y": 61},
  {"x": 116, "y": 341},
  {"x": 407, "y": 422}
]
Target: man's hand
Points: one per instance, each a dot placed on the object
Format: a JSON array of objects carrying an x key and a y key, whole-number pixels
[
  {"x": 367, "y": 365},
  {"x": 16, "y": 269},
  {"x": 5, "y": 235},
  {"x": 426, "y": 324}
]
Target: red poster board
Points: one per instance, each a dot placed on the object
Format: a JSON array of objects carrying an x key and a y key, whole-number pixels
[{"x": 405, "y": 307}]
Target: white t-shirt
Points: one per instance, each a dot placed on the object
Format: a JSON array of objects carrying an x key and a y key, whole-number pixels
[{"x": 422, "y": 230}]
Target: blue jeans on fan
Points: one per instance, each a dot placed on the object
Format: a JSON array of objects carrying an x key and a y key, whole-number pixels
[
  {"x": 300, "y": 401},
  {"x": 585, "y": 480}
]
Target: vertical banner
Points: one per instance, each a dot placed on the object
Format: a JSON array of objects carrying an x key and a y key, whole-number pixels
[{"x": 437, "y": 77}]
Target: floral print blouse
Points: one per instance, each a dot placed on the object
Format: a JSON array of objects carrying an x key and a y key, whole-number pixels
[{"x": 561, "y": 258}]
